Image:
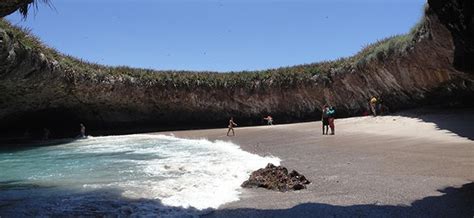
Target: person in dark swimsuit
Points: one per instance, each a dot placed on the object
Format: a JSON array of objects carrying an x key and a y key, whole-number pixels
[{"x": 325, "y": 119}]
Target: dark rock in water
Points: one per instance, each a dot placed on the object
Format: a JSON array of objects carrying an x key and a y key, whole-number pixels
[{"x": 276, "y": 178}]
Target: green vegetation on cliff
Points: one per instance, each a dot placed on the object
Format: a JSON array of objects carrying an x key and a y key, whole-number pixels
[
  {"x": 281, "y": 77},
  {"x": 42, "y": 86}
]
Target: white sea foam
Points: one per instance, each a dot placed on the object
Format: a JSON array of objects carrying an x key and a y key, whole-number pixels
[
  {"x": 207, "y": 175},
  {"x": 179, "y": 172}
]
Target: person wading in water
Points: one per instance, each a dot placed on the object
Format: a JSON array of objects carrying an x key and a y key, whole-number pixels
[
  {"x": 82, "y": 133},
  {"x": 231, "y": 126}
]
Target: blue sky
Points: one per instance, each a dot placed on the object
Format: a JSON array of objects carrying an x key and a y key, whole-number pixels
[{"x": 217, "y": 35}]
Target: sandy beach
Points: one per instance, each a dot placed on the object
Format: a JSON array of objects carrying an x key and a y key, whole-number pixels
[{"x": 416, "y": 163}]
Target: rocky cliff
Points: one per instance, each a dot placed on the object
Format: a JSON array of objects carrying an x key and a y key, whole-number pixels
[
  {"x": 39, "y": 87},
  {"x": 9, "y": 6}
]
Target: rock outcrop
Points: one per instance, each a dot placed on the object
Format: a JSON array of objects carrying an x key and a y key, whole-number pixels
[
  {"x": 458, "y": 17},
  {"x": 276, "y": 178},
  {"x": 9, "y": 6},
  {"x": 41, "y": 88}
]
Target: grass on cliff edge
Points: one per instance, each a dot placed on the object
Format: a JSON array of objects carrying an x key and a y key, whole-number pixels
[{"x": 281, "y": 77}]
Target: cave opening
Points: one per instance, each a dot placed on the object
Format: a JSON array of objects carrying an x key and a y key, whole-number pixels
[{"x": 48, "y": 123}]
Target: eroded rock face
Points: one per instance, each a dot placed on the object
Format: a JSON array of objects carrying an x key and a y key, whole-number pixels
[
  {"x": 37, "y": 91},
  {"x": 276, "y": 178},
  {"x": 458, "y": 17}
]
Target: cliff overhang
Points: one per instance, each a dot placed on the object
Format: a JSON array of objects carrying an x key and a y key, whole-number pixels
[{"x": 41, "y": 88}]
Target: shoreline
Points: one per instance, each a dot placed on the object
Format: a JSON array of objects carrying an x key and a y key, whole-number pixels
[
  {"x": 415, "y": 163},
  {"x": 408, "y": 164}
]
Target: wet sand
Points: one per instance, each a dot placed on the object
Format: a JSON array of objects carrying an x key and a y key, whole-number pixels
[{"x": 417, "y": 163}]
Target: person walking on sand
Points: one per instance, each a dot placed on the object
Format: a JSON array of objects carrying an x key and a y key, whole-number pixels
[
  {"x": 331, "y": 116},
  {"x": 373, "y": 105},
  {"x": 269, "y": 120},
  {"x": 325, "y": 119},
  {"x": 231, "y": 126}
]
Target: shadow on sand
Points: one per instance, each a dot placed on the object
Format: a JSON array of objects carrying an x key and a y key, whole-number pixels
[
  {"x": 454, "y": 202},
  {"x": 458, "y": 121},
  {"x": 52, "y": 201}
]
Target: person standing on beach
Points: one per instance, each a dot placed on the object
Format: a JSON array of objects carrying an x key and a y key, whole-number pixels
[
  {"x": 373, "y": 105},
  {"x": 380, "y": 106},
  {"x": 231, "y": 126},
  {"x": 325, "y": 119},
  {"x": 331, "y": 116},
  {"x": 82, "y": 133},
  {"x": 269, "y": 120}
]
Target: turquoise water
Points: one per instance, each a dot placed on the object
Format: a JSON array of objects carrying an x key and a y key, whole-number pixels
[{"x": 124, "y": 175}]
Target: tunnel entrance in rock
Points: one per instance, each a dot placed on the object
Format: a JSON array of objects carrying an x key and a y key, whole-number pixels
[{"x": 57, "y": 122}]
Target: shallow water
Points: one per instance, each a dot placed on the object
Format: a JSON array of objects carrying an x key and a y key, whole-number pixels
[{"x": 131, "y": 175}]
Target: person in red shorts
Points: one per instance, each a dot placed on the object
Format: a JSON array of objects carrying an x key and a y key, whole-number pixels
[{"x": 331, "y": 116}]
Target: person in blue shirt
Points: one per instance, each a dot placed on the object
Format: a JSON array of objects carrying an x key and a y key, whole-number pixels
[{"x": 331, "y": 113}]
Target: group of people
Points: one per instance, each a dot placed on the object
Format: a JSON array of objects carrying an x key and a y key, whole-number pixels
[
  {"x": 376, "y": 106},
  {"x": 328, "y": 116},
  {"x": 232, "y": 124},
  {"x": 47, "y": 132}
]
